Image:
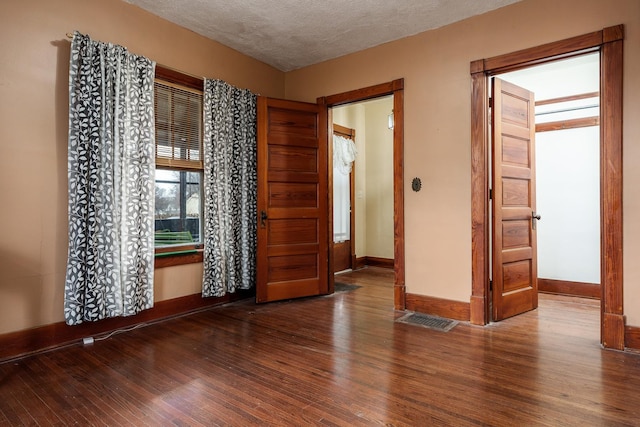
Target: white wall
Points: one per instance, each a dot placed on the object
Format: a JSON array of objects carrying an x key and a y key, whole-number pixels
[{"x": 568, "y": 198}]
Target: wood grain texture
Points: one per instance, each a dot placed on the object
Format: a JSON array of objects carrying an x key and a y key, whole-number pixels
[
  {"x": 613, "y": 34},
  {"x": 542, "y": 53},
  {"x": 480, "y": 313},
  {"x": 29, "y": 341},
  {"x": 179, "y": 77},
  {"x": 514, "y": 200},
  {"x": 364, "y": 94},
  {"x": 565, "y": 287},
  {"x": 339, "y": 360},
  {"x": 374, "y": 262},
  {"x": 379, "y": 262},
  {"x": 567, "y": 98},
  {"x": 178, "y": 259},
  {"x": 632, "y": 338},
  {"x": 398, "y": 196},
  {"x": 568, "y": 124},
  {"x": 438, "y": 307},
  {"x": 294, "y": 238},
  {"x": 342, "y": 256},
  {"x": 330, "y": 230},
  {"x": 361, "y": 262},
  {"x": 611, "y": 188},
  {"x": 297, "y": 195}
]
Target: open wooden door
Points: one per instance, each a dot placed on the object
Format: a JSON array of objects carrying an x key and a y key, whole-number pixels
[
  {"x": 343, "y": 242},
  {"x": 293, "y": 229},
  {"x": 515, "y": 288}
]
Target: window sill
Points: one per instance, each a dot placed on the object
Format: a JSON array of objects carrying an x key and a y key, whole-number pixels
[{"x": 178, "y": 255}]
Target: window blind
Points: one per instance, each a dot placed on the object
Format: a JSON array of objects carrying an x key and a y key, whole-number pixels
[{"x": 178, "y": 112}]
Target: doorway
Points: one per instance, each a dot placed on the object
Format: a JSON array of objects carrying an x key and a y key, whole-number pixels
[
  {"x": 363, "y": 189},
  {"x": 395, "y": 88},
  {"x": 545, "y": 183},
  {"x": 567, "y": 172},
  {"x": 608, "y": 43}
]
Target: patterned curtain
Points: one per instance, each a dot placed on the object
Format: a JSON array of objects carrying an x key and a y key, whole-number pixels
[
  {"x": 111, "y": 182},
  {"x": 230, "y": 189}
]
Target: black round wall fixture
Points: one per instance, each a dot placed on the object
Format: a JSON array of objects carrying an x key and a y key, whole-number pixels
[{"x": 416, "y": 184}]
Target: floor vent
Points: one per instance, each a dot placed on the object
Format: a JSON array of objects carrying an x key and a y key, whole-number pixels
[{"x": 427, "y": 321}]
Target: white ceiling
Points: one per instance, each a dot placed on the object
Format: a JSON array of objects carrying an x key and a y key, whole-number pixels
[{"x": 290, "y": 34}]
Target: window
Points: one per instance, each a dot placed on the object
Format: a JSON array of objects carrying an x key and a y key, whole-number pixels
[
  {"x": 179, "y": 164},
  {"x": 178, "y": 208}
]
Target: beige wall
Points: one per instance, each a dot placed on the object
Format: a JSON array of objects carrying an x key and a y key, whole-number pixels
[
  {"x": 34, "y": 58},
  {"x": 379, "y": 176},
  {"x": 435, "y": 66},
  {"x": 374, "y": 175}
]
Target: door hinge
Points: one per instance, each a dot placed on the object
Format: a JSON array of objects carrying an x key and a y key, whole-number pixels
[
  {"x": 490, "y": 285},
  {"x": 491, "y": 194},
  {"x": 490, "y": 102}
]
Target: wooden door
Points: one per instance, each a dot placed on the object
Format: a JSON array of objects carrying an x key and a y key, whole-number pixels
[
  {"x": 293, "y": 231},
  {"x": 344, "y": 250},
  {"x": 515, "y": 288}
]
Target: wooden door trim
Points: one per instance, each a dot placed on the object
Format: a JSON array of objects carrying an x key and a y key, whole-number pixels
[
  {"x": 565, "y": 287},
  {"x": 609, "y": 43},
  {"x": 344, "y": 131},
  {"x": 358, "y": 95},
  {"x": 395, "y": 88}
]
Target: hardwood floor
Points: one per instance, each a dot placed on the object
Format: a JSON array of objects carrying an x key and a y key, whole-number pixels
[{"x": 333, "y": 360}]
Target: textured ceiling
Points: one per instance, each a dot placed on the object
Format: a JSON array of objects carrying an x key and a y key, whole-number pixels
[{"x": 290, "y": 34}]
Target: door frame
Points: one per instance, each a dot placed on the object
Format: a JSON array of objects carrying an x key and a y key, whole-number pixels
[
  {"x": 609, "y": 42},
  {"x": 395, "y": 88}
]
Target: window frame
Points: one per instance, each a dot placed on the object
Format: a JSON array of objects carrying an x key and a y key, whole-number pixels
[{"x": 192, "y": 253}]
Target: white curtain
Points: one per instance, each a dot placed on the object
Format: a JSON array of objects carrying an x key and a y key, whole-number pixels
[
  {"x": 230, "y": 188},
  {"x": 111, "y": 164},
  {"x": 344, "y": 154}
]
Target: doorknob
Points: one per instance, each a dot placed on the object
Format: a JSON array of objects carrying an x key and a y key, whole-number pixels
[
  {"x": 534, "y": 218},
  {"x": 263, "y": 219}
]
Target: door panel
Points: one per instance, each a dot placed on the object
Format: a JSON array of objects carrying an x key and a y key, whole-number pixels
[
  {"x": 515, "y": 288},
  {"x": 292, "y": 195},
  {"x": 288, "y": 159},
  {"x": 342, "y": 256},
  {"x": 292, "y": 231},
  {"x": 292, "y": 267},
  {"x": 293, "y": 237}
]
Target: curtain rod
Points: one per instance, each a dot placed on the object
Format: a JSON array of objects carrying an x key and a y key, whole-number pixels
[{"x": 70, "y": 36}]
